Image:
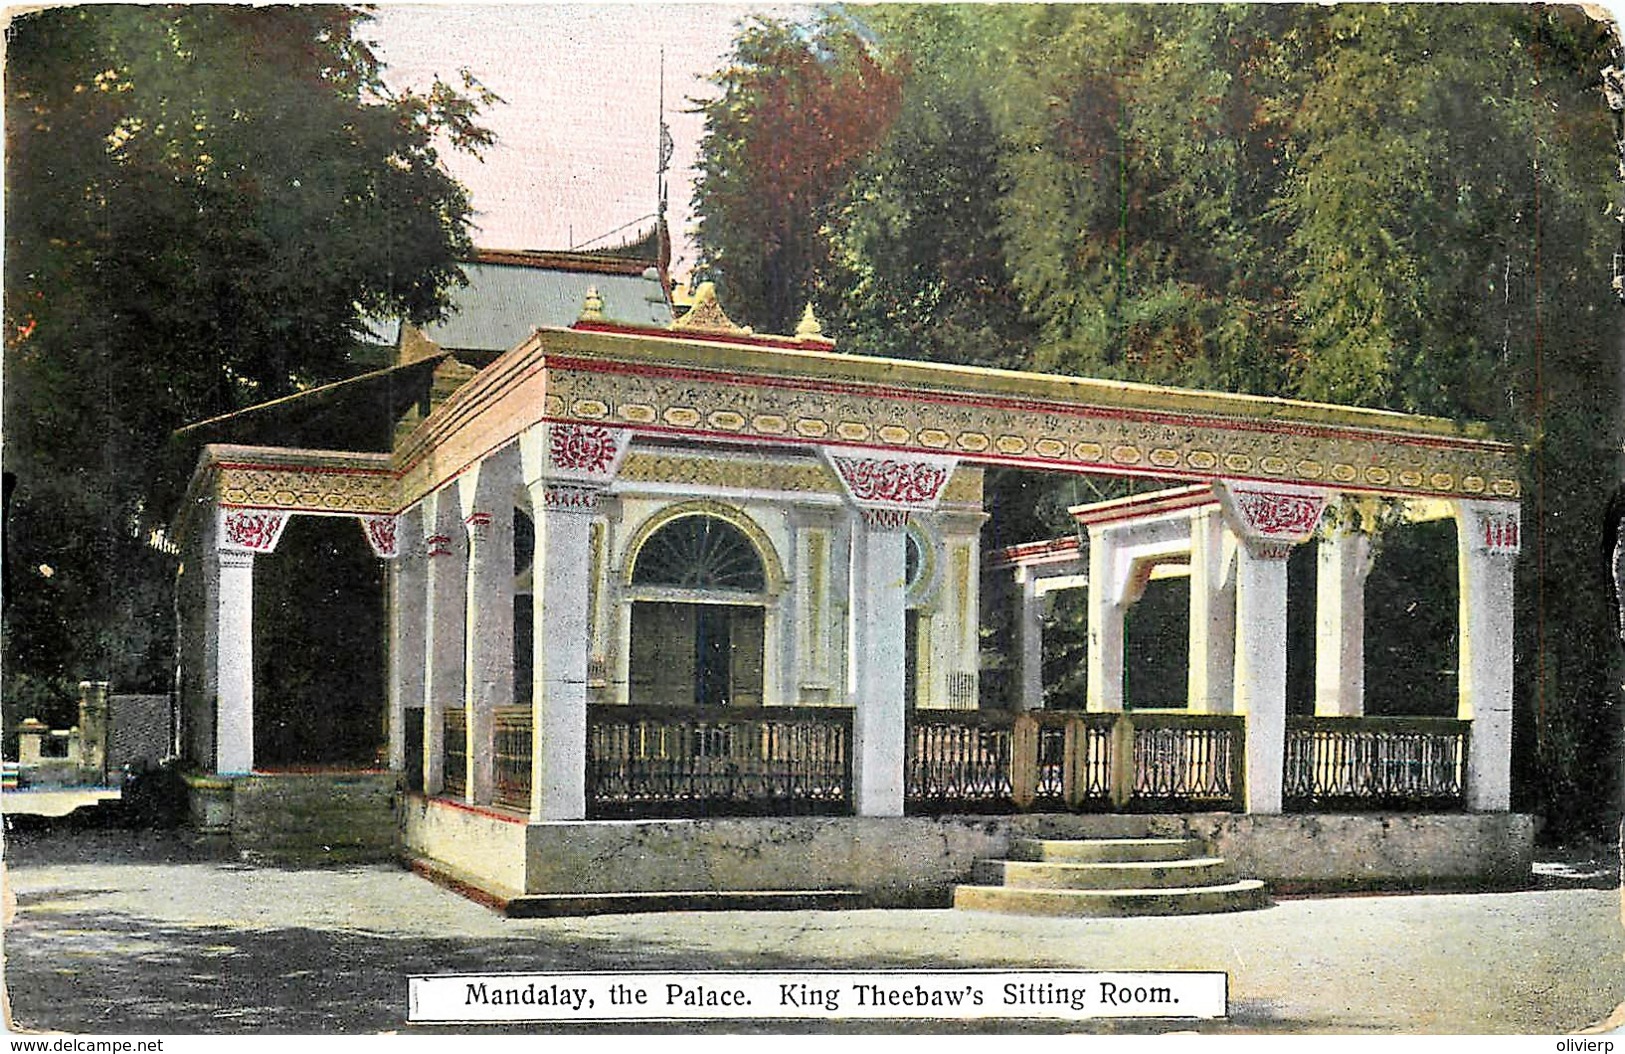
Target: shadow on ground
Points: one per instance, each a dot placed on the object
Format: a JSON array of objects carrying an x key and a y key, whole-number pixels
[{"x": 88, "y": 971}]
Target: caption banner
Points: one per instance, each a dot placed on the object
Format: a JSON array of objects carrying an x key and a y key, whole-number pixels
[{"x": 1050, "y": 995}]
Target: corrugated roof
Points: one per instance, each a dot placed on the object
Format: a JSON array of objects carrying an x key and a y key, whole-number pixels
[{"x": 503, "y": 303}]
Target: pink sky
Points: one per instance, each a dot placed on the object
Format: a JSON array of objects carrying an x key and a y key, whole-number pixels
[{"x": 576, "y": 135}]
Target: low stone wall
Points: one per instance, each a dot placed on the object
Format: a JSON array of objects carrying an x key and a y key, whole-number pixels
[
  {"x": 317, "y": 818},
  {"x": 917, "y": 860},
  {"x": 912, "y": 860},
  {"x": 481, "y": 847}
]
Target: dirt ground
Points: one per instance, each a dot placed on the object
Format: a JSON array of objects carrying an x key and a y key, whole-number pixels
[{"x": 116, "y": 932}]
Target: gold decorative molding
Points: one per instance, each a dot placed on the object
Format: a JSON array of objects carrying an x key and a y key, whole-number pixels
[
  {"x": 1194, "y": 436},
  {"x": 809, "y": 477},
  {"x": 305, "y": 489}
]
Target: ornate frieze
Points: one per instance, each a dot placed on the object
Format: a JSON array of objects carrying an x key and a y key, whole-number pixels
[
  {"x": 751, "y": 474},
  {"x": 307, "y": 488},
  {"x": 997, "y": 428}
]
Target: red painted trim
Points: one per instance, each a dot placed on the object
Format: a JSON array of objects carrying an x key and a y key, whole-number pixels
[
  {"x": 481, "y": 810},
  {"x": 1001, "y": 402},
  {"x": 1129, "y": 512},
  {"x": 1014, "y": 554}
]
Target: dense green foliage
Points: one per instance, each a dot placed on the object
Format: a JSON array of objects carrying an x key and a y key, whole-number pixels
[
  {"x": 203, "y": 204},
  {"x": 1408, "y": 207}
]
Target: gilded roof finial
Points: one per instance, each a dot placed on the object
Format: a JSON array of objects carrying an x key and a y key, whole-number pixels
[
  {"x": 592, "y": 306},
  {"x": 809, "y": 329},
  {"x": 707, "y": 316}
]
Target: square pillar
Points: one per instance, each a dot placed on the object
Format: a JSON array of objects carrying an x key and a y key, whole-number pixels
[
  {"x": 234, "y": 663},
  {"x": 563, "y": 515},
  {"x": 1487, "y": 545},
  {"x": 486, "y": 496},
  {"x": 1269, "y": 519},
  {"x": 1029, "y": 641},
  {"x": 445, "y": 579},
  {"x": 1342, "y": 564},
  {"x": 407, "y": 623},
  {"x": 1260, "y": 670},
  {"x": 879, "y": 583},
  {"x": 1105, "y": 674},
  {"x": 1210, "y": 681}
]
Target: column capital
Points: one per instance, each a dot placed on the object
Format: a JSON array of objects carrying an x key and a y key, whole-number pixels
[
  {"x": 1493, "y": 528},
  {"x": 1271, "y": 518},
  {"x": 881, "y": 480},
  {"x": 250, "y": 530},
  {"x": 577, "y": 498},
  {"x": 569, "y": 452},
  {"x": 438, "y": 543},
  {"x": 478, "y": 526},
  {"x": 236, "y": 558},
  {"x": 383, "y": 535},
  {"x": 884, "y": 519}
]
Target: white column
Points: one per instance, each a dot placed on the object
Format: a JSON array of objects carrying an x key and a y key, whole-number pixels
[
  {"x": 879, "y": 581},
  {"x": 446, "y": 577},
  {"x": 488, "y": 644},
  {"x": 1105, "y": 674},
  {"x": 234, "y": 669},
  {"x": 563, "y": 513},
  {"x": 406, "y": 626},
  {"x": 1270, "y": 519},
  {"x": 1260, "y": 689},
  {"x": 1342, "y": 563},
  {"x": 1487, "y": 544},
  {"x": 1029, "y": 641},
  {"x": 1210, "y": 684}
]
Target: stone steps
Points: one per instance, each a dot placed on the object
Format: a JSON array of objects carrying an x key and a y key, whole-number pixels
[
  {"x": 1135, "y": 874},
  {"x": 1108, "y": 877}
]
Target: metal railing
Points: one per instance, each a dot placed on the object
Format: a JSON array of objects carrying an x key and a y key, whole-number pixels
[
  {"x": 1375, "y": 763},
  {"x": 510, "y": 729},
  {"x": 454, "y": 745},
  {"x": 688, "y": 761},
  {"x": 993, "y": 761}
]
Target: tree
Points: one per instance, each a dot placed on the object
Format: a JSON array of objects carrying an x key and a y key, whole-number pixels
[
  {"x": 204, "y": 204},
  {"x": 1397, "y": 206},
  {"x": 799, "y": 107}
]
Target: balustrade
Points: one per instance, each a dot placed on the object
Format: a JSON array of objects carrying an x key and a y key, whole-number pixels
[
  {"x": 677, "y": 761},
  {"x": 1375, "y": 763},
  {"x": 454, "y": 743},
  {"x": 647, "y": 761}
]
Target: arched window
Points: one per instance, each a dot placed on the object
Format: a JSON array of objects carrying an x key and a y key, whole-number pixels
[{"x": 700, "y": 552}]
